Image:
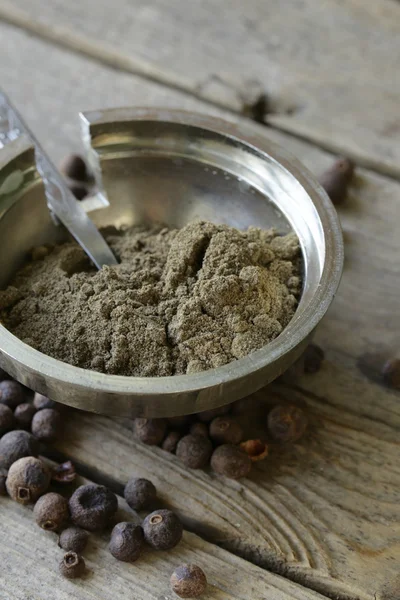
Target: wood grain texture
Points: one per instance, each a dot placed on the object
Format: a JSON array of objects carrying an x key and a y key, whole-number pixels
[
  {"x": 29, "y": 559},
  {"x": 328, "y": 68},
  {"x": 325, "y": 512}
]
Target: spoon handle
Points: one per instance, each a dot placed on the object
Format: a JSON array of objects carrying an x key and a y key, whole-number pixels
[{"x": 60, "y": 199}]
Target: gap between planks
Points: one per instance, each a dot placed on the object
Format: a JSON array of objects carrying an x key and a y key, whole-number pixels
[{"x": 227, "y": 99}]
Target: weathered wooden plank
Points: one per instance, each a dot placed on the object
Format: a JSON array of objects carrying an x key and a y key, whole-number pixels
[
  {"x": 326, "y": 511},
  {"x": 29, "y": 560},
  {"x": 328, "y": 68}
]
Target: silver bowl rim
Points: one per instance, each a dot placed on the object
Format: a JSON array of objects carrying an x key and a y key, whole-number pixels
[{"x": 297, "y": 330}]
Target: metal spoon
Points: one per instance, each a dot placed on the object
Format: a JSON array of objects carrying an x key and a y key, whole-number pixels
[{"x": 60, "y": 199}]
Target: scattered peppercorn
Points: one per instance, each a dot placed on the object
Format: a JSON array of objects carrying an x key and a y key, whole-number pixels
[
  {"x": 24, "y": 414},
  {"x": 15, "y": 445},
  {"x": 255, "y": 449},
  {"x": 179, "y": 422},
  {"x": 51, "y": 511},
  {"x": 337, "y": 179},
  {"x": 230, "y": 461},
  {"x": 127, "y": 541},
  {"x": 28, "y": 479},
  {"x": 73, "y": 539},
  {"x": 209, "y": 415},
  {"x": 11, "y": 393},
  {"x": 74, "y": 167},
  {"x": 225, "y": 430},
  {"x": 91, "y": 506},
  {"x": 46, "y": 424},
  {"x": 286, "y": 423},
  {"x": 139, "y": 493},
  {"x": 188, "y": 581},
  {"x": 3, "y": 477},
  {"x": 7, "y": 420},
  {"x": 391, "y": 373},
  {"x": 171, "y": 441},
  {"x": 150, "y": 431},
  {"x": 313, "y": 359},
  {"x": 79, "y": 191},
  {"x": 64, "y": 473},
  {"x": 199, "y": 429},
  {"x": 41, "y": 402},
  {"x": 194, "y": 451},
  {"x": 162, "y": 529},
  {"x": 72, "y": 565}
]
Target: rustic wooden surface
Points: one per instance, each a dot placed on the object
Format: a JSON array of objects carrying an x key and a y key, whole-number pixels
[
  {"x": 329, "y": 68},
  {"x": 324, "y": 513}
]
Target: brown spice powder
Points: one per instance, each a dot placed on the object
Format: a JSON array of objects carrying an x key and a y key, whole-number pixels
[{"x": 180, "y": 301}]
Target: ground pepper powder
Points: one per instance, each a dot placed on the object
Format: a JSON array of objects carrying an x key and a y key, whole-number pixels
[{"x": 180, "y": 301}]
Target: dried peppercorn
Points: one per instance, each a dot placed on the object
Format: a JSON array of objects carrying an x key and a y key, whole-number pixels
[
  {"x": 15, "y": 445},
  {"x": 127, "y": 541},
  {"x": 51, "y": 511},
  {"x": 7, "y": 420},
  {"x": 391, "y": 373},
  {"x": 72, "y": 565},
  {"x": 28, "y": 479},
  {"x": 313, "y": 359},
  {"x": 64, "y": 473},
  {"x": 11, "y": 393},
  {"x": 46, "y": 424},
  {"x": 24, "y": 414},
  {"x": 3, "y": 478},
  {"x": 188, "y": 581},
  {"x": 150, "y": 431},
  {"x": 287, "y": 423},
  {"x": 199, "y": 429},
  {"x": 73, "y": 539},
  {"x": 139, "y": 493},
  {"x": 74, "y": 167},
  {"x": 225, "y": 430},
  {"x": 91, "y": 506},
  {"x": 337, "y": 179},
  {"x": 162, "y": 529},
  {"x": 40, "y": 402},
  {"x": 194, "y": 451},
  {"x": 230, "y": 461},
  {"x": 171, "y": 441},
  {"x": 209, "y": 415}
]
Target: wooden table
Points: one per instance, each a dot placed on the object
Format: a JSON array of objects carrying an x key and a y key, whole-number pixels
[{"x": 321, "y": 519}]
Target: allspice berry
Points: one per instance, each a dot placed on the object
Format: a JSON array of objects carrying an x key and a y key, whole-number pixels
[
  {"x": 230, "y": 461},
  {"x": 28, "y": 479},
  {"x": 162, "y": 529},
  {"x": 51, "y": 511},
  {"x": 225, "y": 430},
  {"x": 150, "y": 431},
  {"x": 40, "y": 401},
  {"x": 11, "y": 393},
  {"x": 46, "y": 424},
  {"x": 7, "y": 420},
  {"x": 91, "y": 506},
  {"x": 199, "y": 428},
  {"x": 313, "y": 359},
  {"x": 73, "y": 539},
  {"x": 188, "y": 581},
  {"x": 139, "y": 493},
  {"x": 286, "y": 423},
  {"x": 194, "y": 451},
  {"x": 209, "y": 415},
  {"x": 3, "y": 478},
  {"x": 23, "y": 415},
  {"x": 127, "y": 541},
  {"x": 74, "y": 167},
  {"x": 171, "y": 441},
  {"x": 72, "y": 565},
  {"x": 15, "y": 445}
]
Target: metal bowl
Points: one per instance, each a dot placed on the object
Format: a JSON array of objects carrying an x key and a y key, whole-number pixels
[{"x": 173, "y": 167}]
